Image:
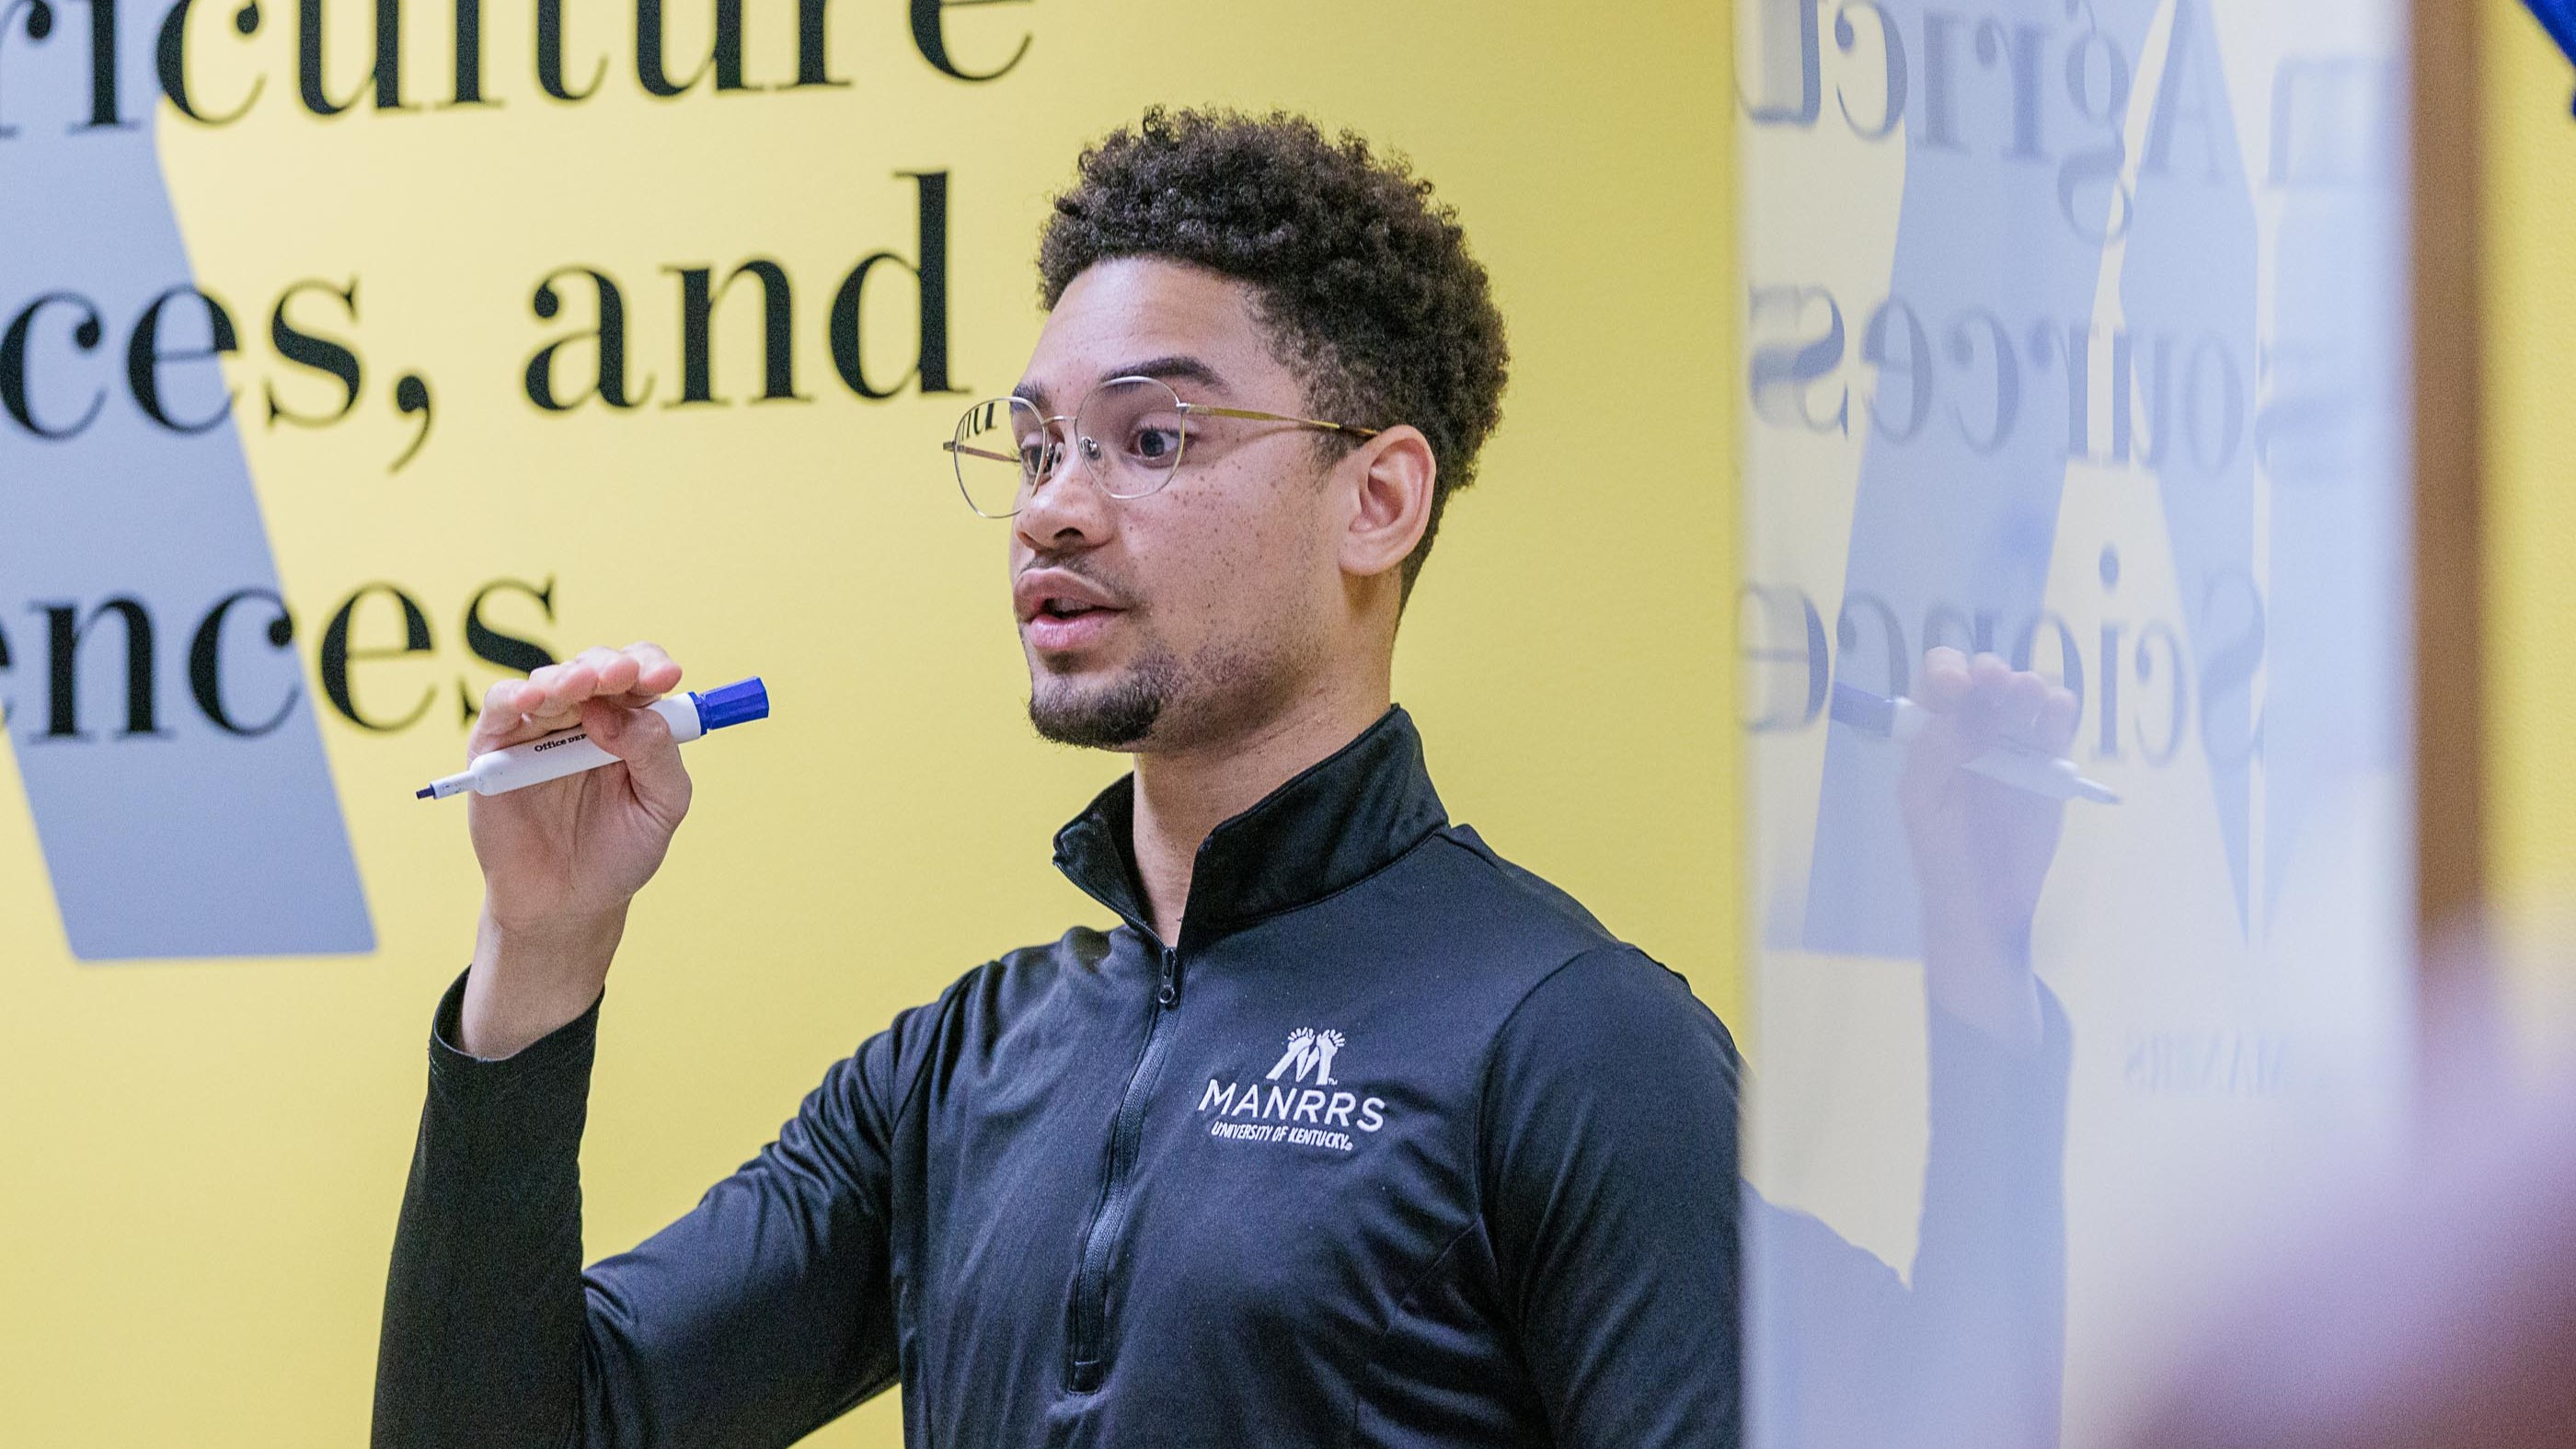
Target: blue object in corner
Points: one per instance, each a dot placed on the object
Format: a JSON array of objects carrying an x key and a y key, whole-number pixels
[{"x": 2558, "y": 17}]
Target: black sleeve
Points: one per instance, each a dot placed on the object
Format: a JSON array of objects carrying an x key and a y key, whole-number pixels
[
  {"x": 1986, "y": 1331},
  {"x": 761, "y": 1314},
  {"x": 1611, "y": 1198},
  {"x": 1970, "y": 1355}
]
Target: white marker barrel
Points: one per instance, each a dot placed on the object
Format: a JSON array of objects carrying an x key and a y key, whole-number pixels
[{"x": 569, "y": 752}]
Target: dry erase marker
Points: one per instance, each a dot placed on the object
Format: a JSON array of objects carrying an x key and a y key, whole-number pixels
[
  {"x": 569, "y": 752},
  {"x": 2019, "y": 766}
]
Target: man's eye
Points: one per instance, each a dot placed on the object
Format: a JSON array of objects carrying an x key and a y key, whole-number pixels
[{"x": 1155, "y": 445}]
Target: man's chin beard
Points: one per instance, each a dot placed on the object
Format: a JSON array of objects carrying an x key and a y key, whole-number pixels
[{"x": 1115, "y": 716}]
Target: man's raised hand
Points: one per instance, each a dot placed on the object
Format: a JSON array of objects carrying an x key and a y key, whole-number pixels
[
  {"x": 562, "y": 859},
  {"x": 1982, "y": 849}
]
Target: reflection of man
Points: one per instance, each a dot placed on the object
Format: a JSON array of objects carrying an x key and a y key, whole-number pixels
[
  {"x": 1844, "y": 1352},
  {"x": 1488, "y": 1193}
]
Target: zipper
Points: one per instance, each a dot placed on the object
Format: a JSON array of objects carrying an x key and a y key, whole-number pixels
[{"x": 1086, "y": 1365}]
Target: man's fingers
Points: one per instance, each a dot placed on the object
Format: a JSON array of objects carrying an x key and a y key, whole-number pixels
[
  {"x": 518, "y": 710},
  {"x": 2025, "y": 696},
  {"x": 636, "y": 675},
  {"x": 497, "y": 724},
  {"x": 539, "y": 691},
  {"x": 566, "y": 685},
  {"x": 655, "y": 673},
  {"x": 1985, "y": 713},
  {"x": 656, "y": 665},
  {"x": 552, "y": 697},
  {"x": 1995, "y": 703},
  {"x": 2057, "y": 721},
  {"x": 643, "y": 740},
  {"x": 1945, "y": 680},
  {"x": 613, "y": 671},
  {"x": 513, "y": 696}
]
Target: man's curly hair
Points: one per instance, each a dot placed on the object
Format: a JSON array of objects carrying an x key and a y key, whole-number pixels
[{"x": 1362, "y": 278}]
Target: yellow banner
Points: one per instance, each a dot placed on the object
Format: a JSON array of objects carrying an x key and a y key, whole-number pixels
[{"x": 520, "y": 328}]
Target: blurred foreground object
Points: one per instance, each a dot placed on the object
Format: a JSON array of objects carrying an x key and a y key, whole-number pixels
[{"x": 2438, "y": 1310}]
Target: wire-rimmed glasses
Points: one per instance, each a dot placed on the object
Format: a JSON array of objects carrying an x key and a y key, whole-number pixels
[{"x": 1130, "y": 434}]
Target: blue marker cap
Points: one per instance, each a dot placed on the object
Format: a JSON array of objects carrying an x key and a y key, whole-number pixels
[{"x": 732, "y": 705}]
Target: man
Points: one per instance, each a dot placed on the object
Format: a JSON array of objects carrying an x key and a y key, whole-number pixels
[{"x": 1348, "y": 1132}]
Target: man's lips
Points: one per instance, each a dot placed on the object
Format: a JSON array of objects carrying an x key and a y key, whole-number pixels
[
  {"x": 1059, "y": 610},
  {"x": 1052, "y": 633},
  {"x": 1058, "y": 593}
]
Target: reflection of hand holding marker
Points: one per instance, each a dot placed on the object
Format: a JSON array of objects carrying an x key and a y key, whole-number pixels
[
  {"x": 569, "y": 752},
  {"x": 2019, "y": 766}
]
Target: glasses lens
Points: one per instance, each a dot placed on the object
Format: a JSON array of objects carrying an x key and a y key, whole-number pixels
[
  {"x": 1131, "y": 432},
  {"x": 999, "y": 450}
]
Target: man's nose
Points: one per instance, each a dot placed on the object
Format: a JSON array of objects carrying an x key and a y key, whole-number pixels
[{"x": 1064, "y": 506}]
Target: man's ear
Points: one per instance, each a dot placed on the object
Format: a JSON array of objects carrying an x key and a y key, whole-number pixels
[{"x": 1392, "y": 505}]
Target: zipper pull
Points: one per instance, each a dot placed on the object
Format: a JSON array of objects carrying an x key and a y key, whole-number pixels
[{"x": 1170, "y": 994}]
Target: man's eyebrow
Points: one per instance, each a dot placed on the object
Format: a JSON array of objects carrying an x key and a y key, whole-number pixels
[{"x": 1178, "y": 367}]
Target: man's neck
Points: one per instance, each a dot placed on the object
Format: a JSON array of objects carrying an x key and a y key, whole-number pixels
[{"x": 1182, "y": 795}]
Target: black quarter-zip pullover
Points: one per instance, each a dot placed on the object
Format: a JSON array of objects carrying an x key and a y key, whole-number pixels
[{"x": 1395, "y": 1146}]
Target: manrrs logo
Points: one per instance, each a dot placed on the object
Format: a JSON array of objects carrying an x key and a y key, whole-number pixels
[
  {"x": 1307, "y": 1051},
  {"x": 1294, "y": 1111}
]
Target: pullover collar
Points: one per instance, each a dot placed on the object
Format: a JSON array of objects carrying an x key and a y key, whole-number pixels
[{"x": 1328, "y": 827}]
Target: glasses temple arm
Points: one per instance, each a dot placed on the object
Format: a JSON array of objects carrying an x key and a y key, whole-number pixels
[{"x": 1217, "y": 412}]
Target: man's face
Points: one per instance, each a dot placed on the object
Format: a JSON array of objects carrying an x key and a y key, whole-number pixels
[{"x": 1195, "y": 613}]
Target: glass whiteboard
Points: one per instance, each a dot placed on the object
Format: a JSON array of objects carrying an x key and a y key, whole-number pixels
[{"x": 2074, "y": 331}]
